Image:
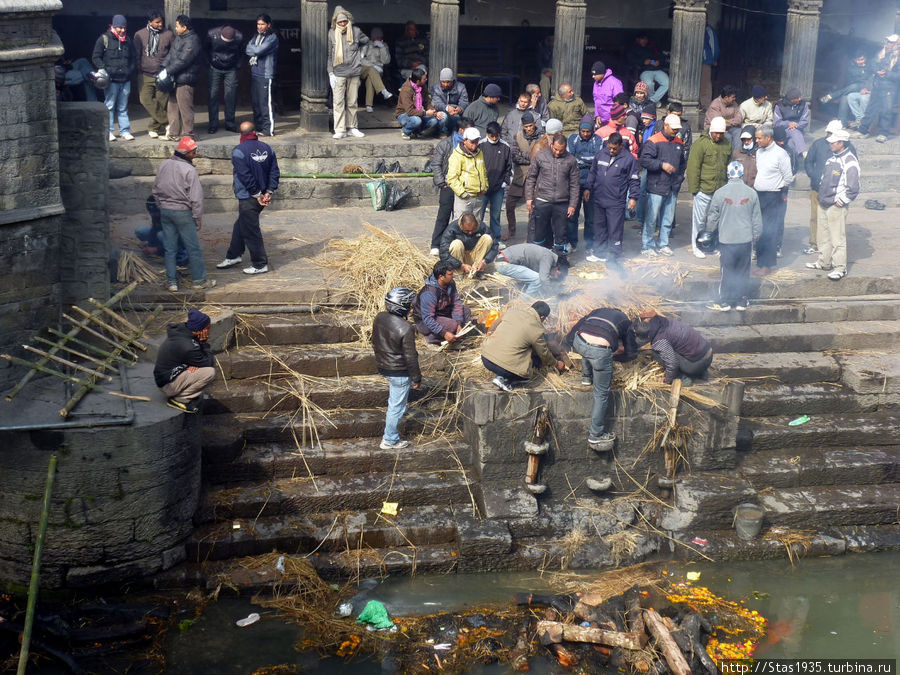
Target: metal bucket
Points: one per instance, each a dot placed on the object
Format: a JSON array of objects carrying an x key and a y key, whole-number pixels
[{"x": 748, "y": 520}]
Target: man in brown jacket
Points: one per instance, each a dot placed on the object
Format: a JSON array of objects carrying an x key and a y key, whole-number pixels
[
  {"x": 525, "y": 140},
  {"x": 516, "y": 344},
  {"x": 414, "y": 111},
  {"x": 727, "y": 107},
  {"x": 151, "y": 45}
]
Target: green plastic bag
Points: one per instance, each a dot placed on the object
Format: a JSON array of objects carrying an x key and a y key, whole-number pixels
[
  {"x": 378, "y": 191},
  {"x": 376, "y": 615}
]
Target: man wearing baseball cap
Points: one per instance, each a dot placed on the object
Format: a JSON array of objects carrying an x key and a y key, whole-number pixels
[
  {"x": 180, "y": 197},
  {"x": 466, "y": 174},
  {"x": 839, "y": 187},
  {"x": 185, "y": 363},
  {"x": 819, "y": 153},
  {"x": 225, "y": 48},
  {"x": 706, "y": 166},
  {"x": 663, "y": 160}
]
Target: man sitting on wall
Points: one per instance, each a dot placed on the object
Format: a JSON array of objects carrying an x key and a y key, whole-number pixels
[{"x": 185, "y": 363}]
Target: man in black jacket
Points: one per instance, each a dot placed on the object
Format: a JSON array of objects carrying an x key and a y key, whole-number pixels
[
  {"x": 114, "y": 54},
  {"x": 394, "y": 342},
  {"x": 182, "y": 64},
  {"x": 185, "y": 363},
  {"x": 498, "y": 165},
  {"x": 225, "y": 49},
  {"x": 678, "y": 347}
]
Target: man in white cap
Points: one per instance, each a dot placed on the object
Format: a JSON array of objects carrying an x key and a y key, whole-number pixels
[
  {"x": 663, "y": 159},
  {"x": 449, "y": 98},
  {"x": 819, "y": 153},
  {"x": 466, "y": 174},
  {"x": 734, "y": 213},
  {"x": 706, "y": 167},
  {"x": 839, "y": 187},
  {"x": 879, "y": 112}
]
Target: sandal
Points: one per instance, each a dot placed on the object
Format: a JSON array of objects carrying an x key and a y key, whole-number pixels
[{"x": 874, "y": 205}]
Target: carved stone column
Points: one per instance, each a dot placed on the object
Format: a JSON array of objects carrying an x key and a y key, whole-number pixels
[
  {"x": 314, "y": 114},
  {"x": 688, "y": 27},
  {"x": 444, "y": 37},
  {"x": 172, "y": 9},
  {"x": 568, "y": 44},
  {"x": 800, "y": 39}
]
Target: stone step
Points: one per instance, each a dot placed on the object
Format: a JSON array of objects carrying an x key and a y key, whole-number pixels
[
  {"x": 805, "y": 337},
  {"x": 319, "y": 328},
  {"x": 819, "y": 506},
  {"x": 826, "y": 398},
  {"x": 287, "y": 393},
  {"x": 327, "y": 494},
  {"x": 312, "y": 193},
  {"x": 706, "y": 500},
  {"x": 315, "y": 360},
  {"x": 877, "y": 180},
  {"x": 273, "y": 461},
  {"x": 808, "y": 284},
  {"x": 802, "y": 467},
  {"x": 784, "y": 367},
  {"x": 326, "y": 532},
  {"x": 835, "y": 430}
]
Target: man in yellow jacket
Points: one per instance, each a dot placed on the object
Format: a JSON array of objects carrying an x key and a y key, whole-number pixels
[
  {"x": 516, "y": 344},
  {"x": 466, "y": 174}
]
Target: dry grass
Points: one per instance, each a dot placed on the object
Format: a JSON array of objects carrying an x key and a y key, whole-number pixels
[
  {"x": 133, "y": 267},
  {"x": 580, "y": 298},
  {"x": 608, "y": 584},
  {"x": 796, "y": 542}
]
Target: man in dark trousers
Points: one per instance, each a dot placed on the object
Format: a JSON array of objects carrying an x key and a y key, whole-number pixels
[
  {"x": 263, "y": 52},
  {"x": 256, "y": 177},
  {"x": 185, "y": 363},
  {"x": 679, "y": 348},
  {"x": 498, "y": 165},
  {"x": 614, "y": 174},
  {"x": 151, "y": 45},
  {"x": 735, "y": 214},
  {"x": 551, "y": 192},
  {"x": 225, "y": 48},
  {"x": 394, "y": 342},
  {"x": 439, "y": 165},
  {"x": 182, "y": 64}
]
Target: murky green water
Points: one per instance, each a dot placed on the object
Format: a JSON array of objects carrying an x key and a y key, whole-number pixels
[{"x": 843, "y": 607}]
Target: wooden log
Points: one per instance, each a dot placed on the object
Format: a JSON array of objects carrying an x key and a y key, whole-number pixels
[
  {"x": 674, "y": 658},
  {"x": 553, "y": 632},
  {"x": 133, "y": 338}
]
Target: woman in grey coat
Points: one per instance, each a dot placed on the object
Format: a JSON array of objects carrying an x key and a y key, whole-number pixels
[{"x": 344, "y": 66}]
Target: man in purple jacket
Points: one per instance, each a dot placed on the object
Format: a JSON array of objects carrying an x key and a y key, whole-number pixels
[
  {"x": 438, "y": 312},
  {"x": 256, "y": 177},
  {"x": 606, "y": 86}
]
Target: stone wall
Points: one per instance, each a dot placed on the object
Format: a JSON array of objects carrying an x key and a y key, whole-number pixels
[{"x": 84, "y": 185}]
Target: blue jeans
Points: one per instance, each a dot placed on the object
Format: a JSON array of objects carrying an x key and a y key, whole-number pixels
[
  {"x": 397, "y": 397},
  {"x": 572, "y": 229},
  {"x": 855, "y": 104},
  {"x": 147, "y": 234},
  {"x": 116, "y": 99},
  {"x": 411, "y": 124},
  {"x": 597, "y": 366},
  {"x": 218, "y": 78},
  {"x": 656, "y": 205},
  {"x": 181, "y": 224},
  {"x": 494, "y": 200},
  {"x": 653, "y": 77},
  {"x": 448, "y": 122},
  {"x": 531, "y": 279}
]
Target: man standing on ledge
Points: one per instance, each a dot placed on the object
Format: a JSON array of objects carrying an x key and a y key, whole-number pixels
[
  {"x": 256, "y": 177},
  {"x": 263, "y": 52},
  {"x": 185, "y": 363}
]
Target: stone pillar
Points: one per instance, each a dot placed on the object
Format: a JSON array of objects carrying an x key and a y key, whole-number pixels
[
  {"x": 568, "y": 45},
  {"x": 444, "y": 37},
  {"x": 314, "y": 20},
  {"x": 800, "y": 38},
  {"x": 174, "y": 8},
  {"x": 688, "y": 28}
]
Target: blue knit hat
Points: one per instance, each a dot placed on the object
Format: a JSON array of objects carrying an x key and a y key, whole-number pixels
[
  {"x": 118, "y": 21},
  {"x": 735, "y": 170},
  {"x": 197, "y": 320}
]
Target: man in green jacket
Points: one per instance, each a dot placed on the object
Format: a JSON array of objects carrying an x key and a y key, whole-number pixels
[
  {"x": 706, "y": 167},
  {"x": 568, "y": 108},
  {"x": 517, "y": 344}
]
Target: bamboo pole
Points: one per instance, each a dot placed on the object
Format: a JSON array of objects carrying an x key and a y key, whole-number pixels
[
  {"x": 115, "y": 315},
  {"x": 74, "y": 352},
  {"x": 74, "y": 331},
  {"x": 36, "y": 567},
  {"x": 40, "y": 368},
  {"x": 87, "y": 329},
  {"x": 131, "y": 397},
  {"x": 112, "y": 329},
  {"x": 86, "y": 345},
  {"x": 66, "y": 362}
]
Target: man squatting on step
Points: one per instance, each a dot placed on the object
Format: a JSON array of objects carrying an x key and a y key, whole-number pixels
[
  {"x": 438, "y": 312},
  {"x": 679, "y": 348},
  {"x": 185, "y": 363},
  {"x": 394, "y": 342}
]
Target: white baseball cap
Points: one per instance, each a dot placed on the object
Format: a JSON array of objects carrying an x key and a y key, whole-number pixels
[
  {"x": 674, "y": 121},
  {"x": 833, "y": 126},
  {"x": 838, "y": 135},
  {"x": 717, "y": 124},
  {"x": 471, "y": 134}
]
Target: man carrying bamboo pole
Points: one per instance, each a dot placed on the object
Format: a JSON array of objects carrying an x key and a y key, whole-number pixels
[{"x": 185, "y": 364}]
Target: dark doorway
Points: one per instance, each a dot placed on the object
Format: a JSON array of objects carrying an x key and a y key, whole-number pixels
[{"x": 751, "y": 39}]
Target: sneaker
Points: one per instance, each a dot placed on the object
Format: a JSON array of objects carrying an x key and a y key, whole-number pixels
[
  {"x": 742, "y": 305},
  {"x": 826, "y": 98},
  {"x": 881, "y": 138},
  {"x": 370, "y": 109},
  {"x": 837, "y": 275},
  {"x": 356, "y": 133},
  {"x": 172, "y": 138},
  {"x": 152, "y": 134},
  {"x": 166, "y": 132},
  {"x": 190, "y": 407},
  {"x": 394, "y": 446},
  {"x": 502, "y": 383},
  {"x": 811, "y": 250},
  {"x": 649, "y": 253},
  {"x": 212, "y": 130},
  {"x": 256, "y": 270},
  {"x": 716, "y": 307},
  {"x": 698, "y": 253},
  {"x": 339, "y": 134},
  {"x": 112, "y": 137},
  {"x": 172, "y": 288},
  {"x": 665, "y": 250},
  {"x": 386, "y": 94},
  {"x": 203, "y": 285},
  {"x": 778, "y": 252},
  {"x": 602, "y": 443},
  {"x": 501, "y": 246},
  {"x": 434, "y": 251},
  {"x": 228, "y": 262},
  {"x": 585, "y": 382},
  {"x": 601, "y": 485},
  {"x": 594, "y": 259},
  {"x": 405, "y": 137},
  {"x": 127, "y": 136},
  {"x": 817, "y": 266}
]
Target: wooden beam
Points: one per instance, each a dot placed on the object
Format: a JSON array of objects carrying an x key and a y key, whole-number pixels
[
  {"x": 554, "y": 632},
  {"x": 666, "y": 644}
]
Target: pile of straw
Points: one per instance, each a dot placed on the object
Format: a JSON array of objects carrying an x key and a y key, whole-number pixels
[
  {"x": 659, "y": 268},
  {"x": 579, "y": 299},
  {"x": 133, "y": 267}
]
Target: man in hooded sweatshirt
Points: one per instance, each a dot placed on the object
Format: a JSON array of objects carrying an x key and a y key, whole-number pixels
[
  {"x": 183, "y": 64},
  {"x": 263, "y": 52},
  {"x": 606, "y": 86},
  {"x": 185, "y": 364},
  {"x": 114, "y": 54},
  {"x": 344, "y": 65}
]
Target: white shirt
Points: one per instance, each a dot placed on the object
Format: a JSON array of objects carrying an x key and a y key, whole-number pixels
[{"x": 773, "y": 169}]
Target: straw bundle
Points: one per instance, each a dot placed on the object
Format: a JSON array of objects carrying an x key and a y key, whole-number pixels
[
  {"x": 659, "y": 268},
  {"x": 371, "y": 265},
  {"x": 607, "y": 584},
  {"x": 132, "y": 267}
]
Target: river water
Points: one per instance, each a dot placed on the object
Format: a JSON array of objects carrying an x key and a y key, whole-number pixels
[{"x": 841, "y": 607}]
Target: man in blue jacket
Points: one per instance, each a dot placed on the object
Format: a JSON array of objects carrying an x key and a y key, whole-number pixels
[
  {"x": 263, "y": 52},
  {"x": 614, "y": 174},
  {"x": 584, "y": 146},
  {"x": 256, "y": 177}
]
